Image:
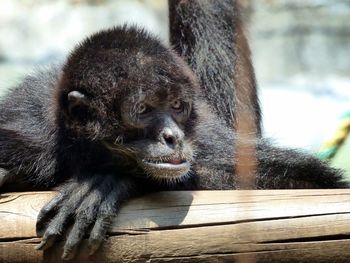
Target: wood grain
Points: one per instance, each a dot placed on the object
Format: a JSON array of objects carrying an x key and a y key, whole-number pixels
[{"x": 199, "y": 226}]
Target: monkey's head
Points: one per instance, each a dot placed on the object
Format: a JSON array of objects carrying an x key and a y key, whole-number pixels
[{"x": 123, "y": 89}]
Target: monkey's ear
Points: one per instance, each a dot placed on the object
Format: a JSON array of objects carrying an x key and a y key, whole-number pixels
[{"x": 77, "y": 104}]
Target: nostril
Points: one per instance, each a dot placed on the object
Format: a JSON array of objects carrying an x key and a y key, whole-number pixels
[{"x": 169, "y": 139}]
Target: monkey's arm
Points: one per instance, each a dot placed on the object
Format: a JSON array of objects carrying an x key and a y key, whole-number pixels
[
  {"x": 275, "y": 167},
  {"x": 89, "y": 202},
  {"x": 283, "y": 168}
]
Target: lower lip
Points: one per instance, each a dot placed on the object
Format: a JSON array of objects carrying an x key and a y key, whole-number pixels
[{"x": 181, "y": 166}]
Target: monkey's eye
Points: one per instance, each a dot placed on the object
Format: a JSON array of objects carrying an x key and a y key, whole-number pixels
[
  {"x": 177, "y": 105},
  {"x": 143, "y": 108}
]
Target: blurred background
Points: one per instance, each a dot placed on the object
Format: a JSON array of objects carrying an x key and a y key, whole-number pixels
[{"x": 301, "y": 53}]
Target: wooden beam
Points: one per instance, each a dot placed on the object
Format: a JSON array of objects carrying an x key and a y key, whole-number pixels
[{"x": 199, "y": 226}]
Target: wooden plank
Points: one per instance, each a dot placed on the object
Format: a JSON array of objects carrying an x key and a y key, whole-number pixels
[
  {"x": 18, "y": 212},
  {"x": 200, "y": 226}
]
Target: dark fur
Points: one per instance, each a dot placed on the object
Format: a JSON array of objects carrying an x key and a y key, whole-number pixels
[
  {"x": 46, "y": 142},
  {"x": 209, "y": 35}
]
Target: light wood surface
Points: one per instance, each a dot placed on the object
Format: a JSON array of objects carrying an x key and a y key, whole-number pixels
[{"x": 199, "y": 226}]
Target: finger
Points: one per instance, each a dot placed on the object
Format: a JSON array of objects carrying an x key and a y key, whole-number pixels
[
  {"x": 99, "y": 232},
  {"x": 57, "y": 225},
  {"x": 86, "y": 215},
  {"x": 49, "y": 210},
  {"x": 107, "y": 212},
  {"x": 46, "y": 213},
  {"x": 76, "y": 235},
  {"x": 53, "y": 231},
  {"x": 67, "y": 201},
  {"x": 47, "y": 241}
]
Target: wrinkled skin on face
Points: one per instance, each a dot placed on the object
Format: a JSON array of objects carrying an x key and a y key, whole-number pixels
[{"x": 159, "y": 144}]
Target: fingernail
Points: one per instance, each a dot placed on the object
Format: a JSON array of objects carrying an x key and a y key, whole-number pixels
[
  {"x": 40, "y": 246},
  {"x": 66, "y": 256}
]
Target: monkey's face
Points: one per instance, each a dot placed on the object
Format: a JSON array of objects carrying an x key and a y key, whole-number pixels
[
  {"x": 156, "y": 122},
  {"x": 141, "y": 109},
  {"x": 156, "y": 132}
]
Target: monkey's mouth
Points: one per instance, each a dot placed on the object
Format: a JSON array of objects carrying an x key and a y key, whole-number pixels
[
  {"x": 166, "y": 168},
  {"x": 173, "y": 163}
]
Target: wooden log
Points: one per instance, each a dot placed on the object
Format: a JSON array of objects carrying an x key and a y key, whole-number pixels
[{"x": 199, "y": 226}]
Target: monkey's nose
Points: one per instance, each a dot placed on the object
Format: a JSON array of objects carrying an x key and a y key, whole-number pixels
[{"x": 169, "y": 137}]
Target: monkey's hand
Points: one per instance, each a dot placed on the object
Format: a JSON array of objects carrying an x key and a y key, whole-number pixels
[{"x": 89, "y": 204}]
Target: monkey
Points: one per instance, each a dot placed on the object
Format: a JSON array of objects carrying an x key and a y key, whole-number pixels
[
  {"x": 114, "y": 121},
  {"x": 123, "y": 116}
]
